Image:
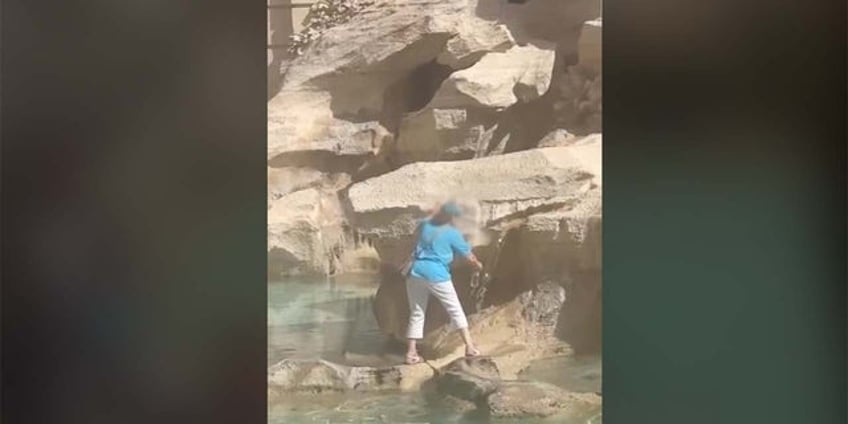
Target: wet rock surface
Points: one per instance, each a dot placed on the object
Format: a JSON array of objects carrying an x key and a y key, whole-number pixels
[
  {"x": 524, "y": 399},
  {"x": 543, "y": 304},
  {"x": 466, "y": 382},
  {"x": 318, "y": 375},
  {"x": 470, "y": 379},
  {"x": 469, "y": 389}
]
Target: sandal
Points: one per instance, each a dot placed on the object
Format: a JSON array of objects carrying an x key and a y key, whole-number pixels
[
  {"x": 412, "y": 360},
  {"x": 471, "y": 353}
]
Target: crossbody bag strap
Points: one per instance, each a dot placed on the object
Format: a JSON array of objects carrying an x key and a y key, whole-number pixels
[
  {"x": 431, "y": 239},
  {"x": 415, "y": 236}
]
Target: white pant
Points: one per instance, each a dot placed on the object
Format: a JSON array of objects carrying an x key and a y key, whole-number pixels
[{"x": 418, "y": 292}]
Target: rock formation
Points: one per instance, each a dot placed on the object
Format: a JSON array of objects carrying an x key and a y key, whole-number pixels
[
  {"x": 494, "y": 102},
  {"x": 478, "y": 382},
  {"x": 471, "y": 386},
  {"x": 317, "y": 375},
  {"x": 470, "y": 379}
]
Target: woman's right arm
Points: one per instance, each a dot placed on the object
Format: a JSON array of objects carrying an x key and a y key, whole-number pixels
[
  {"x": 464, "y": 249},
  {"x": 474, "y": 261}
]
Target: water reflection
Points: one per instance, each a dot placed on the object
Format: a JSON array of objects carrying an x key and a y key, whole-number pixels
[
  {"x": 575, "y": 374},
  {"x": 354, "y": 408},
  {"x": 394, "y": 408},
  {"x": 328, "y": 318}
]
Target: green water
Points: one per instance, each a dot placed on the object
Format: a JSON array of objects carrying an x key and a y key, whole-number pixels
[
  {"x": 333, "y": 319},
  {"x": 357, "y": 408},
  {"x": 392, "y": 408},
  {"x": 327, "y": 318},
  {"x": 580, "y": 374}
]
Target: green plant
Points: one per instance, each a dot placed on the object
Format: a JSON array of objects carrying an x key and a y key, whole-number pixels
[{"x": 322, "y": 16}]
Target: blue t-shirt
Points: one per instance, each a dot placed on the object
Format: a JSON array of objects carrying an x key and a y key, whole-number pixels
[{"x": 434, "y": 251}]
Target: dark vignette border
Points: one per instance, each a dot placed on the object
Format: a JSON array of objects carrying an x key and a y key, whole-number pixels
[
  {"x": 133, "y": 221},
  {"x": 725, "y": 218},
  {"x": 133, "y": 212}
]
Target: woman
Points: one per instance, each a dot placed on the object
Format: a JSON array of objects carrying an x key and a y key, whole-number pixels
[{"x": 437, "y": 242}]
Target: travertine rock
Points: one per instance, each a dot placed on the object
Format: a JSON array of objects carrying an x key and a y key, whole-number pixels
[
  {"x": 474, "y": 39},
  {"x": 499, "y": 80},
  {"x": 504, "y": 186},
  {"x": 303, "y": 122},
  {"x": 526, "y": 399},
  {"x": 445, "y": 134},
  {"x": 557, "y": 138},
  {"x": 560, "y": 244},
  {"x": 469, "y": 379},
  {"x": 566, "y": 245},
  {"x": 543, "y": 304},
  {"x": 332, "y": 97},
  {"x": 304, "y": 228},
  {"x": 282, "y": 181},
  {"x": 294, "y": 235},
  {"x": 318, "y": 375}
]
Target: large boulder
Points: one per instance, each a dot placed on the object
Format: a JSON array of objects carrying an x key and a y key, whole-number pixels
[
  {"x": 333, "y": 97},
  {"x": 294, "y": 235},
  {"x": 499, "y": 80},
  {"x": 568, "y": 238},
  {"x": 567, "y": 245},
  {"x": 304, "y": 230},
  {"x": 503, "y": 187},
  {"x": 533, "y": 197},
  {"x": 470, "y": 379},
  {"x": 564, "y": 239},
  {"x": 474, "y": 386},
  {"x": 530, "y": 399},
  {"x": 474, "y": 40},
  {"x": 511, "y": 332},
  {"x": 384, "y": 41},
  {"x": 461, "y": 387},
  {"x": 308, "y": 234},
  {"x": 346, "y": 93}
]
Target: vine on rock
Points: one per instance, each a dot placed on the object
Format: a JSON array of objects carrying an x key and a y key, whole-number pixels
[{"x": 322, "y": 16}]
